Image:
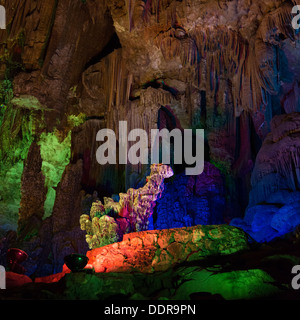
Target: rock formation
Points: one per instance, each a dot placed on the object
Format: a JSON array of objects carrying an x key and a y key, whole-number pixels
[
  {"x": 274, "y": 201},
  {"x": 193, "y": 200},
  {"x": 131, "y": 213},
  {"x": 159, "y": 250},
  {"x": 70, "y": 68}
]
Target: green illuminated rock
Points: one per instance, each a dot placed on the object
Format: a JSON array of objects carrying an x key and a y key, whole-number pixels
[
  {"x": 27, "y": 102},
  {"x": 181, "y": 284},
  {"x": 234, "y": 285},
  {"x": 16, "y": 136},
  {"x": 55, "y": 153},
  {"x": 160, "y": 250}
]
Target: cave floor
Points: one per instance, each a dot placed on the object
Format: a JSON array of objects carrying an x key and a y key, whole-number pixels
[{"x": 262, "y": 273}]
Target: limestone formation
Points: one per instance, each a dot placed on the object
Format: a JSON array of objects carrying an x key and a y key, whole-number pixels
[
  {"x": 228, "y": 67},
  {"x": 160, "y": 250},
  {"x": 274, "y": 199},
  {"x": 131, "y": 213}
]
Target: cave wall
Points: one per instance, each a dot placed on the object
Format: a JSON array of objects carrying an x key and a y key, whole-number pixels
[
  {"x": 69, "y": 68},
  {"x": 274, "y": 207}
]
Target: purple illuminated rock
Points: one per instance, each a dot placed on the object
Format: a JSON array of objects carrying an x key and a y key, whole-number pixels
[
  {"x": 134, "y": 210},
  {"x": 192, "y": 200}
]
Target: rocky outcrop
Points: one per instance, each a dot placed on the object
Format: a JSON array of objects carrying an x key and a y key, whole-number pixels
[
  {"x": 111, "y": 220},
  {"x": 274, "y": 205},
  {"x": 218, "y": 61},
  {"x": 247, "y": 274},
  {"x": 66, "y": 234},
  {"x": 226, "y": 66},
  {"x": 277, "y": 163},
  {"x": 161, "y": 250},
  {"x": 186, "y": 283},
  {"x": 32, "y": 203},
  {"x": 29, "y": 27},
  {"x": 150, "y": 251},
  {"x": 192, "y": 200},
  {"x": 53, "y": 41},
  {"x": 43, "y": 54},
  {"x": 14, "y": 280}
]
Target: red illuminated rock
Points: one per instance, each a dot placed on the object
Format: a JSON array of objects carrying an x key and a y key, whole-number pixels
[
  {"x": 14, "y": 280},
  {"x": 159, "y": 250}
]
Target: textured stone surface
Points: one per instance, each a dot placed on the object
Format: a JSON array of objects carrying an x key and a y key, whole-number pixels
[
  {"x": 33, "y": 187},
  {"x": 66, "y": 233},
  {"x": 192, "y": 200},
  {"x": 14, "y": 280},
  {"x": 57, "y": 44},
  {"x": 133, "y": 210},
  {"x": 226, "y": 66},
  {"x": 274, "y": 199},
  {"x": 137, "y": 253},
  {"x": 242, "y": 284},
  {"x": 192, "y": 283},
  {"x": 161, "y": 250},
  {"x": 278, "y": 157},
  {"x": 246, "y": 275},
  {"x": 287, "y": 218},
  {"x": 30, "y": 22}
]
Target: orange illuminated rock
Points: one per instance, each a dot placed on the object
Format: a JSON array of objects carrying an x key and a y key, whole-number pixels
[{"x": 159, "y": 250}]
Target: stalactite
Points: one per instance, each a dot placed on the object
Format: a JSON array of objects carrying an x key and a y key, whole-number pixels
[
  {"x": 114, "y": 80},
  {"x": 148, "y": 7},
  {"x": 281, "y": 172},
  {"x": 276, "y": 23},
  {"x": 225, "y": 52},
  {"x": 212, "y": 55},
  {"x": 277, "y": 163},
  {"x": 131, "y": 4}
]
